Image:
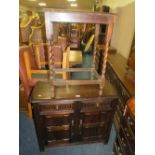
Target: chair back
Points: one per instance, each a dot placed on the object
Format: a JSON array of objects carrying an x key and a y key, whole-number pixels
[{"x": 22, "y": 69}]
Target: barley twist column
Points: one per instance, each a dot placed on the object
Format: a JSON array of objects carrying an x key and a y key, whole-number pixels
[
  {"x": 105, "y": 54},
  {"x": 51, "y": 69}
]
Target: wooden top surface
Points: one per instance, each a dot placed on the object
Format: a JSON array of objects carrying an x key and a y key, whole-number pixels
[
  {"x": 119, "y": 63},
  {"x": 70, "y": 16},
  {"x": 76, "y": 11},
  {"x": 42, "y": 91}
]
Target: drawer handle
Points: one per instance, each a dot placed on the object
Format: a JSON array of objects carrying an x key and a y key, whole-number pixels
[
  {"x": 123, "y": 141},
  {"x": 126, "y": 131},
  {"x": 80, "y": 126},
  {"x": 57, "y": 107},
  {"x": 131, "y": 123},
  {"x": 72, "y": 122},
  {"x": 97, "y": 105}
]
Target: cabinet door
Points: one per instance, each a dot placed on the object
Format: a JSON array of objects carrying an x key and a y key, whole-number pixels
[
  {"x": 95, "y": 125},
  {"x": 97, "y": 116}
]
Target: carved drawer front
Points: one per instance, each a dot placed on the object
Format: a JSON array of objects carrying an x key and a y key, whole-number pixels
[
  {"x": 58, "y": 127},
  {"x": 130, "y": 123},
  {"x": 127, "y": 130},
  {"x": 91, "y": 118},
  {"x": 54, "y": 107},
  {"x": 58, "y": 134},
  {"x": 97, "y": 105},
  {"x": 125, "y": 143},
  {"x": 57, "y": 120},
  {"x": 95, "y": 125},
  {"x": 93, "y": 131},
  {"x": 117, "y": 148}
]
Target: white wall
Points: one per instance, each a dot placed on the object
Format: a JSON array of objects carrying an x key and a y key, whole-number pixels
[{"x": 124, "y": 27}]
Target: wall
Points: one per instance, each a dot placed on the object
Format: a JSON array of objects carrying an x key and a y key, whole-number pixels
[
  {"x": 23, "y": 9},
  {"x": 124, "y": 27}
]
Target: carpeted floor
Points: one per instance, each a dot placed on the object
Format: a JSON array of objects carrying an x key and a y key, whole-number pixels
[{"x": 29, "y": 145}]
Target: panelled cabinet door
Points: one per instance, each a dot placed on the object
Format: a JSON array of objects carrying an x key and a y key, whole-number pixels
[{"x": 68, "y": 121}]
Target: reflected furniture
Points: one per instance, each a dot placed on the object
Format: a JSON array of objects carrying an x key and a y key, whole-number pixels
[
  {"x": 75, "y": 58},
  {"x": 57, "y": 16}
]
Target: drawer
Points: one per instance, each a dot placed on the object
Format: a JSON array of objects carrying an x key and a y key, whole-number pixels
[
  {"x": 94, "y": 132},
  {"x": 56, "y": 107},
  {"x": 130, "y": 122},
  {"x": 130, "y": 134},
  {"x": 58, "y": 135},
  {"x": 58, "y": 119},
  {"x": 94, "y": 117},
  {"x": 117, "y": 148},
  {"x": 124, "y": 142},
  {"x": 99, "y": 105}
]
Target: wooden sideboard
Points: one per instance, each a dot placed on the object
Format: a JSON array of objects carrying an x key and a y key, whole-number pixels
[
  {"x": 76, "y": 115},
  {"x": 124, "y": 119},
  {"x": 125, "y": 140}
]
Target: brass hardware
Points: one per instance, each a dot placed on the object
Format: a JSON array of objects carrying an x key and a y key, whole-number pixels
[
  {"x": 57, "y": 107},
  {"x": 72, "y": 122},
  {"x": 97, "y": 105},
  {"x": 80, "y": 122}
]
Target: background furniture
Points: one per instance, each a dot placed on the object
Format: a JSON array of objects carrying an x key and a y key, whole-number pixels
[
  {"x": 125, "y": 140},
  {"x": 116, "y": 73},
  {"x": 37, "y": 34},
  {"x": 27, "y": 83},
  {"x": 75, "y": 58},
  {"x": 40, "y": 51}
]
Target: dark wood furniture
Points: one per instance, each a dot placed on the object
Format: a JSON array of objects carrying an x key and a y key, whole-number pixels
[
  {"x": 116, "y": 74},
  {"x": 76, "y": 115},
  {"x": 125, "y": 140},
  {"x": 52, "y": 16},
  {"x": 131, "y": 60},
  {"x": 73, "y": 111}
]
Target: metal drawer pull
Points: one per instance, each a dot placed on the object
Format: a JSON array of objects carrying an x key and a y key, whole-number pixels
[
  {"x": 126, "y": 131},
  {"x": 72, "y": 122},
  {"x": 57, "y": 107},
  {"x": 131, "y": 123},
  {"x": 97, "y": 105},
  {"x": 123, "y": 141}
]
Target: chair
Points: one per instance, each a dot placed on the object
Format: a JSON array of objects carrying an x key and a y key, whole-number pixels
[
  {"x": 37, "y": 35},
  {"x": 27, "y": 84},
  {"x": 41, "y": 54},
  {"x": 58, "y": 55},
  {"x": 62, "y": 41}
]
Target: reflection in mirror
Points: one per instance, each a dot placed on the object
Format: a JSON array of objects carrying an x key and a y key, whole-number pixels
[{"x": 72, "y": 46}]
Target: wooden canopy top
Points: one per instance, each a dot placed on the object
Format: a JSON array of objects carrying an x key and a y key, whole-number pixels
[{"x": 57, "y": 15}]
